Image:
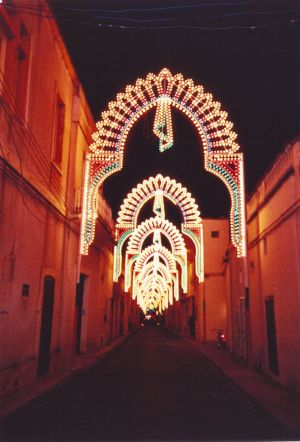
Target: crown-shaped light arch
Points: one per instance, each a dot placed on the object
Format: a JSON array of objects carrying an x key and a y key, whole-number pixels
[
  {"x": 145, "y": 262},
  {"x": 155, "y": 187},
  {"x": 164, "y": 90},
  {"x": 135, "y": 251},
  {"x": 155, "y": 286}
]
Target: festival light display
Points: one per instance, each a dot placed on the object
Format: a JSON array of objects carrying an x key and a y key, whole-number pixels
[
  {"x": 165, "y": 91},
  {"x": 158, "y": 188},
  {"x": 155, "y": 276},
  {"x": 163, "y": 123},
  {"x": 155, "y": 279}
]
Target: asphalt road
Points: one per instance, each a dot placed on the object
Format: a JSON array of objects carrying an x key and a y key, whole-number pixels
[{"x": 155, "y": 387}]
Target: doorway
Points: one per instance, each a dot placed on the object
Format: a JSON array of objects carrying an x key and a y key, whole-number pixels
[
  {"x": 46, "y": 326},
  {"x": 271, "y": 334},
  {"x": 243, "y": 328},
  {"x": 79, "y": 313}
]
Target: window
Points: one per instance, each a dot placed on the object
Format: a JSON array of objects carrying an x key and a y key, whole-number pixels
[
  {"x": 59, "y": 124},
  {"x": 215, "y": 234}
]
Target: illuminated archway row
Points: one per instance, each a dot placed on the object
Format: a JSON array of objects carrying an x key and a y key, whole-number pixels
[
  {"x": 135, "y": 247},
  {"x": 154, "y": 285},
  {"x": 141, "y": 260},
  {"x": 154, "y": 280},
  {"x": 157, "y": 188},
  {"x": 215, "y": 131},
  {"x": 154, "y": 257}
]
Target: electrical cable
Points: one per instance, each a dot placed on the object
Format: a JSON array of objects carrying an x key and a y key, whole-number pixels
[
  {"x": 39, "y": 162},
  {"x": 92, "y": 14},
  {"x": 43, "y": 161},
  {"x": 202, "y": 28},
  {"x": 161, "y": 8},
  {"x": 39, "y": 159}
]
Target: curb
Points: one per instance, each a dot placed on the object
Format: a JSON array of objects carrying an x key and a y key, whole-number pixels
[
  {"x": 295, "y": 433},
  {"x": 16, "y": 399}
]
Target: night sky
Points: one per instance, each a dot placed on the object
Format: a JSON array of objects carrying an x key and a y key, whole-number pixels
[{"x": 251, "y": 67}]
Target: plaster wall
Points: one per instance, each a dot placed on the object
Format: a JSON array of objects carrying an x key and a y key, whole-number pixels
[{"x": 274, "y": 247}]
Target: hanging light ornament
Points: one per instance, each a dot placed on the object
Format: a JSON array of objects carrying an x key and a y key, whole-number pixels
[
  {"x": 158, "y": 206},
  {"x": 163, "y": 123}
]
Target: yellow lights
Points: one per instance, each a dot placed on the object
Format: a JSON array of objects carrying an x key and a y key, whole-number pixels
[
  {"x": 159, "y": 208},
  {"x": 150, "y": 226},
  {"x": 138, "y": 258},
  {"x": 155, "y": 277},
  {"x": 164, "y": 91},
  {"x": 153, "y": 273},
  {"x": 156, "y": 187},
  {"x": 163, "y": 123}
]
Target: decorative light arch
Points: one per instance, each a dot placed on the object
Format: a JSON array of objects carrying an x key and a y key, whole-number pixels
[
  {"x": 162, "y": 252},
  {"x": 141, "y": 280},
  {"x": 159, "y": 187},
  {"x": 174, "y": 191},
  {"x": 139, "y": 261},
  {"x": 156, "y": 226},
  {"x": 166, "y": 255},
  {"x": 221, "y": 156},
  {"x": 144, "y": 263},
  {"x": 154, "y": 289}
]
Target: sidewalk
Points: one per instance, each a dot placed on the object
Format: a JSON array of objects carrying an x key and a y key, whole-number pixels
[
  {"x": 29, "y": 392},
  {"x": 279, "y": 402}
]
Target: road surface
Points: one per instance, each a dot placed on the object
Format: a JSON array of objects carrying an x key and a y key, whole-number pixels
[{"x": 155, "y": 387}]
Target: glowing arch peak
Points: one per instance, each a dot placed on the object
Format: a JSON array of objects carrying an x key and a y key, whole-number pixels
[
  {"x": 157, "y": 188},
  {"x": 221, "y": 156}
]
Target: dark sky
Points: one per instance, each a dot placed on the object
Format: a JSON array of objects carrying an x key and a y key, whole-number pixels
[{"x": 253, "y": 71}]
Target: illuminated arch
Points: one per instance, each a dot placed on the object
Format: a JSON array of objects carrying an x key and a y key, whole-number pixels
[
  {"x": 164, "y": 226},
  {"x": 144, "y": 263},
  {"x": 221, "y": 156},
  {"x": 154, "y": 289},
  {"x": 170, "y": 280},
  {"x": 162, "y": 252},
  {"x": 174, "y": 191},
  {"x": 141, "y": 260},
  {"x": 151, "y": 226},
  {"x": 153, "y": 188}
]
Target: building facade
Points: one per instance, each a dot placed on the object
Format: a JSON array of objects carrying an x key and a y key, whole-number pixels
[
  {"x": 54, "y": 306},
  {"x": 203, "y": 310},
  {"x": 273, "y": 219}
]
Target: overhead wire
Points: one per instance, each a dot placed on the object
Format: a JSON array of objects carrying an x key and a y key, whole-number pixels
[
  {"x": 202, "y": 28},
  {"x": 153, "y": 9},
  {"x": 100, "y": 14},
  {"x": 36, "y": 154}
]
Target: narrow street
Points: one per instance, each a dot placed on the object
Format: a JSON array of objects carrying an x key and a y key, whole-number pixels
[{"x": 155, "y": 387}]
